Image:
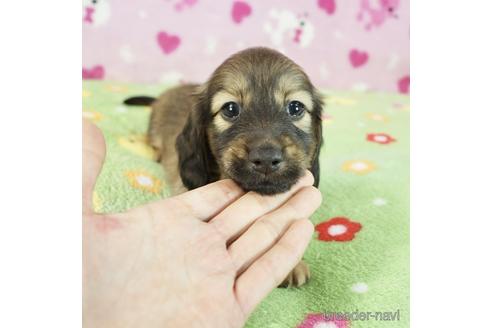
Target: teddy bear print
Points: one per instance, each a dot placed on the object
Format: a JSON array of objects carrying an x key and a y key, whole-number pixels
[
  {"x": 374, "y": 13},
  {"x": 95, "y": 12},
  {"x": 285, "y": 26}
]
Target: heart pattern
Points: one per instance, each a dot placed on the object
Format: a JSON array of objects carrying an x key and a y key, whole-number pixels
[
  {"x": 404, "y": 84},
  {"x": 167, "y": 42},
  {"x": 337, "y": 41},
  {"x": 358, "y": 58},
  {"x": 240, "y": 10},
  {"x": 93, "y": 73},
  {"x": 329, "y": 6}
]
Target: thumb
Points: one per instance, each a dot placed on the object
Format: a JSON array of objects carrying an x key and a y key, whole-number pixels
[{"x": 93, "y": 154}]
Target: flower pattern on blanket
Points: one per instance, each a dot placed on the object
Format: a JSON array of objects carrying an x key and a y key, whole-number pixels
[
  {"x": 319, "y": 320},
  {"x": 142, "y": 180},
  {"x": 359, "y": 254},
  {"x": 338, "y": 229},
  {"x": 377, "y": 117},
  {"x": 92, "y": 115},
  {"x": 358, "y": 166},
  {"x": 137, "y": 144},
  {"x": 380, "y": 138}
]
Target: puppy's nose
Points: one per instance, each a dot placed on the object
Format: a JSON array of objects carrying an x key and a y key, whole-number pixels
[{"x": 266, "y": 159}]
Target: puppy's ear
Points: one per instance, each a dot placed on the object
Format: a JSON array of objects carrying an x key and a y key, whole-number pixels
[
  {"x": 196, "y": 163},
  {"x": 318, "y": 135}
]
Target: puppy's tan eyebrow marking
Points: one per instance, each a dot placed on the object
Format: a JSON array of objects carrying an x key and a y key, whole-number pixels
[
  {"x": 219, "y": 99},
  {"x": 292, "y": 87}
]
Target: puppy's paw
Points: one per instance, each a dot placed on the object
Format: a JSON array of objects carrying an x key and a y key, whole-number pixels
[{"x": 298, "y": 276}]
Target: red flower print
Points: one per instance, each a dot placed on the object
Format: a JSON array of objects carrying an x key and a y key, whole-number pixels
[
  {"x": 338, "y": 229},
  {"x": 315, "y": 320},
  {"x": 380, "y": 138}
]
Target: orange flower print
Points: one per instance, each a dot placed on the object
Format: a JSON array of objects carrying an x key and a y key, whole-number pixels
[
  {"x": 401, "y": 107},
  {"x": 377, "y": 117},
  {"x": 358, "y": 166},
  {"x": 96, "y": 202},
  {"x": 341, "y": 101},
  {"x": 137, "y": 144},
  {"x": 116, "y": 88},
  {"x": 144, "y": 181},
  {"x": 93, "y": 116},
  {"x": 86, "y": 93}
]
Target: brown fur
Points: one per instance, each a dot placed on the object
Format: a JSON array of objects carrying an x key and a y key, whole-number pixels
[{"x": 169, "y": 114}]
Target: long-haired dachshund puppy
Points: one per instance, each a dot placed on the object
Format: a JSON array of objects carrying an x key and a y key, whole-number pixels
[{"x": 257, "y": 120}]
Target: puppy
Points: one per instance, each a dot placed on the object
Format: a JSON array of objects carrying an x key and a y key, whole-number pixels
[{"x": 257, "y": 120}]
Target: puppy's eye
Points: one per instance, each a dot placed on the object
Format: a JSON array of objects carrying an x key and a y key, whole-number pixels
[
  {"x": 230, "y": 110},
  {"x": 295, "y": 109}
]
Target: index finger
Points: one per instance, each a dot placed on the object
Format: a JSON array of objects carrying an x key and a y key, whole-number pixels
[
  {"x": 235, "y": 219},
  {"x": 202, "y": 203}
]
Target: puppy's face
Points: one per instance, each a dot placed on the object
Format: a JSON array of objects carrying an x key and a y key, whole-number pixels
[{"x": 263, "y": 125}]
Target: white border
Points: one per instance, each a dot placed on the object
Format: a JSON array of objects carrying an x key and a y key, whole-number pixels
[
  {"x": 451, "y": 72},
  {"x": 40, "y": 133},
  {"x": 40, "y": 243}
]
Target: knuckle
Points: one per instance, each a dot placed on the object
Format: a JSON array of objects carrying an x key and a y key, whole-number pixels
[
  {"x": 269, "y": 268},
  {"x": 270, "y": 228},
  {"x": 292, "y": 210},
  {"x": 219, "y": 228},
  {"x": 287, "y": 248}
]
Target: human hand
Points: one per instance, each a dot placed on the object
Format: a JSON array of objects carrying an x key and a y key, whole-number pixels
[{"x": 204, "y": 258}]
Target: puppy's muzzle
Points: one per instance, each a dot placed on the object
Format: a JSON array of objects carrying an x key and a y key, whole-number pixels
[{"x": 265, "y": 158}]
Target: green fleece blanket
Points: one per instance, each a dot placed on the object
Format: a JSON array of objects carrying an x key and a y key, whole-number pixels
[{"x": 359, "y": 254}]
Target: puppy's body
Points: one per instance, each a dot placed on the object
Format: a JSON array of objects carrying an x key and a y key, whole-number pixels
[
  {"x": 170, "y": 113},
  {"x": 257, "y": 120}
]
